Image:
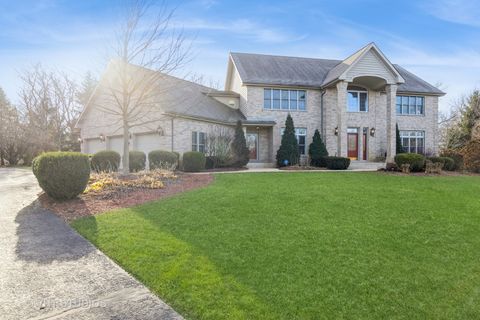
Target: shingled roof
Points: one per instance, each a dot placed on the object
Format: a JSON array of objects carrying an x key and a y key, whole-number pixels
[{"x": 260, "y": 69}]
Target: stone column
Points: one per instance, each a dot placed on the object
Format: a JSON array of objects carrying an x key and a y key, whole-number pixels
[
  {"x": 342, "y": 118},
  {"x": 391, "y": 121}
]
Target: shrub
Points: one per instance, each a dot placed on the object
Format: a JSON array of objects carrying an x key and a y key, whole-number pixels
[
  {"x": 240, "y": 152},
  {"x": 136, "y": 161},
  {"x": 211, "y": 162},
  {"x": 456, "y": 156},
  {"x": 415, "y": 160},
  {"x": 317, "y": 151},
  {"x": 105, "y": 161},
  {"x": 193, "y": 161},
  {"x": 447, "y": 163},
  {"x": 391, "y": 166},
  {"x": 62, "y": 175},
  {"x": 471, "y": 156},
  {"x": 337, "y": 163},
  {"x": 288, "y": 153},
  {"x": 159, "y": 159}
]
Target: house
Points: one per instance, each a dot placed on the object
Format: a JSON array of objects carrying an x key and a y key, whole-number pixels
[{"x": 355, "y": 103}]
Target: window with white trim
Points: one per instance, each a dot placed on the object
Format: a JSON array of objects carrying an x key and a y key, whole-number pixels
[
  {"x": 413, "y": 141},
  {"x": 410, "y": 105},
  {"x": 301, "y": 135},
  {"x": 357, "y": 101},
  {"x": 282, "y": 99},
  {"x": 198, "y": 141}
]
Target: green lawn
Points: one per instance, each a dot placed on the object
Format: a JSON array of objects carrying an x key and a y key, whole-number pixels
[{"x": 306, "y": 246}]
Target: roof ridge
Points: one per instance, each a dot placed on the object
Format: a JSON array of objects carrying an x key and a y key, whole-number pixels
[{"x": 282, "y": 56}]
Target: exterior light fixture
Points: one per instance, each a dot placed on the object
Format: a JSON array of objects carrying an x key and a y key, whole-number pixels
[
  {"x": 80, "y": 140},
  {"x": 102, "y": 137},
  {"x": 336, "y": 131},
  {"x": 372, "y": 132}
]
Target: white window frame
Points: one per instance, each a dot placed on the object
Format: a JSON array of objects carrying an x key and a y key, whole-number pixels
[
  {"x": 196, "y": 145},
  {"x": 299, "y": 132},
  {"x": 358, "y": 103},
  {"x": 415, "y": 134},
  {"x": 408, "y": 113},
  {"x": 280, "y": 107}
]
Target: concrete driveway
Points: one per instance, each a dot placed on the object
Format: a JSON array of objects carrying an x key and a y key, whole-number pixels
[{"x": 48, "y": 271}]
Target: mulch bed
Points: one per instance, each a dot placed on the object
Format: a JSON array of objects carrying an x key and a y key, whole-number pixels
[
  {"x": 94, "y": 203},
  {"x": 423, "y": 174},
  {"x": 295, "y": 168}
]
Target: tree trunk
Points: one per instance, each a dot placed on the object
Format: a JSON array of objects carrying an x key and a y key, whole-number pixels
[{"x": 125, "y": 160}]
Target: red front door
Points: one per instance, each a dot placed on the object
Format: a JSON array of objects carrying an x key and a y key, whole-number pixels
[{"x": 352, "y": 146}]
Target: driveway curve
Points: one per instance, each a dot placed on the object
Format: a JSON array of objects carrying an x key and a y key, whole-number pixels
[{"x": 48, "y": 271}]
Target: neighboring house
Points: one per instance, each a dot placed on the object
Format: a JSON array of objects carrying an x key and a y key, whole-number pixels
[{"x": 354, "y": 103}]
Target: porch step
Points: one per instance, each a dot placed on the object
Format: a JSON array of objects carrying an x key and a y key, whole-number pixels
[{"x": 366, "y": 165}]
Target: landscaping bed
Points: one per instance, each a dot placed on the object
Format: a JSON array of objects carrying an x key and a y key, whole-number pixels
[{"x": 127, "y": 192}]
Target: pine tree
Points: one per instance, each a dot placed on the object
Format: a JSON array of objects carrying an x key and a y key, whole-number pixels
[
  {"x": 399, "y": 141},
  {"x": 288, "y": 153},
  {"x": 317, "y": 151},
  {"x": 240, "y": 152}
]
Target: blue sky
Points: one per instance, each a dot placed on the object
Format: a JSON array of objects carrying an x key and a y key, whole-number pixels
[{"x": 437, "y": 40}]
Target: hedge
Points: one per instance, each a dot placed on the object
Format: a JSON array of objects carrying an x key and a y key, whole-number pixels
[
  {"x": 448, "y": 163},
  {"x": 62, "y": 175},
  {"x": 471, "y": 154},
  {"x": 193, "y": 161},
  {"x": 161, "y": 159},
  {"x": 105, "y": 161},
  {"x": 136, "y": 161},
  {"x": 337, "y": 163},
  {"x": 415, "y": 160}
]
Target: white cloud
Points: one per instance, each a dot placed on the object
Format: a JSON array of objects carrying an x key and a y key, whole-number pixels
[{"x": 464, "y": 12}]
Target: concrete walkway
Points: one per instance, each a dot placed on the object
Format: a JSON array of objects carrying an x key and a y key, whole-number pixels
[{"x": 48, "y": 271}]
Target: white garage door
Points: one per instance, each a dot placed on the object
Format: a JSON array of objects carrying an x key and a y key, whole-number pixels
[
  {"x": 116, "y": 144},
  {"x": 148, "y": 142},
  {"x": 93, "y": 145}
]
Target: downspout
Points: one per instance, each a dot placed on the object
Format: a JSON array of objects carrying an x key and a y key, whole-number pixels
[
  {"x": 322, "y": 125},
  {"x": 171, "y": 123}
]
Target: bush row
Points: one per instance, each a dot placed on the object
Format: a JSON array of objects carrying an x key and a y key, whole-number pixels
[{"x": 417, "y": 162}]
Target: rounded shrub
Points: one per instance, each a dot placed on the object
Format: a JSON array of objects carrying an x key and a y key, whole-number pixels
[
  {"x": 136, "y": 161},
  {"x": 211, "y": 162},
  {"x": 62, "y": 175},
  {"x": 456, "y": 156},
  {"x": 105, "y": 161},
  {"x": 337, "y": 163},
  {"x": 193, "y": 161},
  {"x": 160, "y": 158},
  {"x": 415, "y": 160},
  {"x": 447, "y": 163}
]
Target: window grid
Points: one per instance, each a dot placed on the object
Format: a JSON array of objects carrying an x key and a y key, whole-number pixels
[
  {"x": 282, "y": 99},
  {"x": 410, "y": 105},
  {"x": 413, "y": 141},
  {"x": 357, "y": 101}
]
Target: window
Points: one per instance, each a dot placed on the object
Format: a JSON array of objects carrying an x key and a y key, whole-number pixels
[
  {"x": 301, "y": 134},
  {"x": 413, "y": 141},
  {"x": 410, "y": 105},
  {"x": 357, "y": 101},
  {"x": 198, "y": 141},
  {"x": 281, "y": 99}
]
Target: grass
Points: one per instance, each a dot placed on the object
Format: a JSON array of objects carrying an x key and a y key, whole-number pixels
[{"x": 306, "y": 246}]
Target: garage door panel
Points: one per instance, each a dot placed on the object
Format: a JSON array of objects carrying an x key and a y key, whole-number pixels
[{"x": 94, "y": 145}]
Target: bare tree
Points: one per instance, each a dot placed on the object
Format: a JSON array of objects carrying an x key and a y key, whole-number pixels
[{"x": 147, "y": 48}]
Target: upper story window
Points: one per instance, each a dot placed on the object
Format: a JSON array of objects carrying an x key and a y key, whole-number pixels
[
  {"x": 410, "y": 105},
  {"x": 301, "y": 134},
  {"x": 357, "y": 100},
  {"x": 198, "y": 141},
  {"x": 281, "y": 99}
]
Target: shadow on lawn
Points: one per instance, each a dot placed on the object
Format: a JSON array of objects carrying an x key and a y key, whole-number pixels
[{"x": 43, "y": 237}]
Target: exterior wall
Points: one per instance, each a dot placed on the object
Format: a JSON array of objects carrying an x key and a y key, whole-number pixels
[
  {"x": 309, "y": 119},
  {"x": 427, "y": 123}
]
